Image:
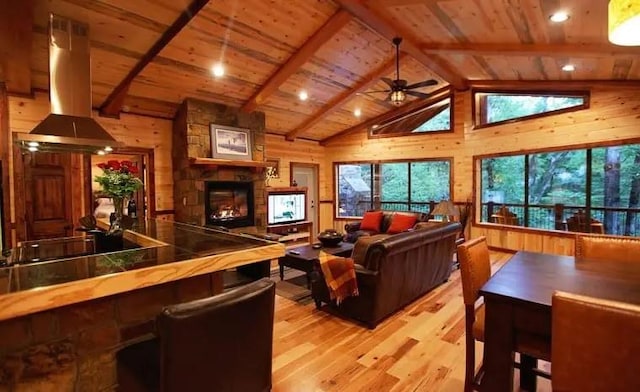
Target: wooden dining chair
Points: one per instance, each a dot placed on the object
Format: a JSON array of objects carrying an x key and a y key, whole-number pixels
[
  {"x": 578, "y": 222},
  {"x": 475, "y": 271},
  {"x": 612, "y": 248},
  {"x": 594, "y": 344},
  {"x": 505, "y": 217}
]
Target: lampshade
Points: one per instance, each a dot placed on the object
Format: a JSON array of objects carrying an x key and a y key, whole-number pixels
[
  {"x": 624, "y": 22},
  {"x": 446, "y": 208},
  {"x": 397, "y": 97}
]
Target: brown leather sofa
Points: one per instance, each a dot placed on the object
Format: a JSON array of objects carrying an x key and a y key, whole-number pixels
[
  {"x": 397, "y": 269},
  {"x": 353, "y": 231}
]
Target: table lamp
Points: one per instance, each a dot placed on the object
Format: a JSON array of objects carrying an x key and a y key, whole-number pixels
[{"x": 445, "y": 208}]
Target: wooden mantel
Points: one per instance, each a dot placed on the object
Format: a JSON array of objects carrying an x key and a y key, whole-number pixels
[{"x": 227, "y": 162}]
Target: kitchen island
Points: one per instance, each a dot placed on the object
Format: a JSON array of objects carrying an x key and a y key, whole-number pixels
[{"x": 63, "y": 320}]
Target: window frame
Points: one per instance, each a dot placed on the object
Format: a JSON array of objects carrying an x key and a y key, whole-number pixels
[
  {"x": 375, "y": 171},
  {"x": 477, "y": 182},
  {"x": 479, "y": 104},
  {"x": 428, "y": 104}
]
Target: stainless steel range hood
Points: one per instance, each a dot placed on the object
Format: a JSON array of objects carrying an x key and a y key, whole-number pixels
[{"x": 69, "y": 127}]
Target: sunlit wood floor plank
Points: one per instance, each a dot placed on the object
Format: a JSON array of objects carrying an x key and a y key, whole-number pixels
[{"x": 420, "y": 348}]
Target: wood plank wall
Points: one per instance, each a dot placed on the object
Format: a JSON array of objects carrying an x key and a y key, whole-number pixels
[
  {"x": 613, "y": 115},
  {"x": 303, "y": 151},
  {"x": 134, "y": 131}
]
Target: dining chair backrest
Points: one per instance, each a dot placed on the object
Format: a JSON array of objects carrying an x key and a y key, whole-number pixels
[
  {"x": 475, "y": 267},
  {"x": 579, "y": 222},
  {"x": 505, "y": 217},
  {"x": 612, "y": 248},
  {"x": 594, "y": 344}
]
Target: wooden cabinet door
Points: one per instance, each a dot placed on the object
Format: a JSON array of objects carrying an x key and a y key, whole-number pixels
[{"x": 48, "y": 195}]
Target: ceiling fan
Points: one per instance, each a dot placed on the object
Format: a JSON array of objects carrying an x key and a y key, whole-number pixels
[{"x": 398, "y": 88}]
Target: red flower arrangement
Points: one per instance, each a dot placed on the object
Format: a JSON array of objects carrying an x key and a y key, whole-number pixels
[{"x": 118, "y": 178}]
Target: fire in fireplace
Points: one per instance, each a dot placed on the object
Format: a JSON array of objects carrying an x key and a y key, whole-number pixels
[{"x": 229, "y": 203}]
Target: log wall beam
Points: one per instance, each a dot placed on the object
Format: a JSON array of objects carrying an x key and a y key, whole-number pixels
[
  {"x": 518, "y": 49},
  {"x": 113, "y": 104},
  {"x": 389, "y": 30},
  {"x": 16, "y": 34},
  {"x": 340, "y": 19},
  {"x": 343, "y": 98}
]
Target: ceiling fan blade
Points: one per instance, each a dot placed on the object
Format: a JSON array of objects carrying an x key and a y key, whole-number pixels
[
  {"x": 424, "y": 83},
  {"x": 417, "y": 94},
  {"x": 388, "y": 81}
]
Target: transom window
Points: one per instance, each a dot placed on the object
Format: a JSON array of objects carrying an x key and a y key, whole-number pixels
[
  {"x": 545, "y": 189},
  {"x": 492, "y": 108},
  {"x": 391, "y": 185},
  {"x": 436, "y": 117}
]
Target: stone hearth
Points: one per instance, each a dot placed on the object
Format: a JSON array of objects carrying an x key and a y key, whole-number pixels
[{"x": 192, "y": 139}]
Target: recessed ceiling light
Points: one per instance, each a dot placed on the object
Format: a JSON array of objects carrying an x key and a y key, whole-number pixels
[
  {"x": 101, "y": 152},
  {"x": 568, "y": 67},
  {"x": 303, "y": 95},
  {"x": 32, "y": 148},
  {"x": 357, "y": 112},
  {"x": 374, "y": 126},
  {"x": 217, "y": 70},
  {"x": 108, "y": 149},
  {"x": 559, "y": 16},
  {"x": 33, "y": 144}
]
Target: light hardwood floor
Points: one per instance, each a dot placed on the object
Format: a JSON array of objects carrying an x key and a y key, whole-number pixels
[{"x": 420, "y": 348}]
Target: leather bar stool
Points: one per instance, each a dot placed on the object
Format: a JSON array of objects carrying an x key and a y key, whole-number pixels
[{"x": 221, "y": 343}]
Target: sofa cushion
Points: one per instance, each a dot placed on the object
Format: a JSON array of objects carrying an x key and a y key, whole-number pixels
[
  {"x": 361, "y": 247},
  {"x": 400, "y": 223},
  {"x": 371, "y": 221}
]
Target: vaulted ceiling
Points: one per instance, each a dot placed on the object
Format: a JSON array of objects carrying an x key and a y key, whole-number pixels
[{"x": 149, "y": 55}]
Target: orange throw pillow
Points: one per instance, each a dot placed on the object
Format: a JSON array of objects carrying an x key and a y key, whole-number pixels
[
  {"x": 400, "y": 223},
  {"x": 371, "y": 221}
]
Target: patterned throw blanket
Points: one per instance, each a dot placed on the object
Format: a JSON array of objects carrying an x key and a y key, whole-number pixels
[{"x": 339, "y": 275}]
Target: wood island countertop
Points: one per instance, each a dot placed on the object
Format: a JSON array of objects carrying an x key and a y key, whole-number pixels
[{"x": 168, "y": 251}]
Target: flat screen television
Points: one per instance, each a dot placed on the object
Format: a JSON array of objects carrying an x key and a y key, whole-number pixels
[{"x": 286, "y": 207}]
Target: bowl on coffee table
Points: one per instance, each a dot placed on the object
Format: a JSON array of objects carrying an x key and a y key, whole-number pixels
[{"x": 330, "y": 238}]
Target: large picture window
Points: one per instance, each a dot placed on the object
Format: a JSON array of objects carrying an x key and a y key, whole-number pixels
[
  {"x": 391, "y": 185},
  {"x": 548, "y": 190},
  {"x": 499, "y": 107}
]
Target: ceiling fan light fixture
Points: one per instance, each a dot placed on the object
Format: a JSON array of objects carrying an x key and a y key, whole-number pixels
[
  {"x": 624, "y": 22},
  {"x": 397, "y": 97}
]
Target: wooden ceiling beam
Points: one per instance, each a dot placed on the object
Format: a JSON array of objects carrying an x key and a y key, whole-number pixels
[
  {"x": 343, "y": 98},
  {"x": 434, "y": 97},
  {"x": 16, "y": 34},
  {"x": 553, "y": 85},
  {"x": 388, "y": 30},
  {"x": 335, "y": 23},
  {"x": 113, "y": 104},
  {"x": 518, "y": 49}
]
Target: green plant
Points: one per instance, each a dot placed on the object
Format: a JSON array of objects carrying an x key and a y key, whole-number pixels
[{"x": 118, "y": 179}]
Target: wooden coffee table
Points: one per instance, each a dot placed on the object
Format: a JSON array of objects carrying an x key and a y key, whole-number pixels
[{"x": 306, "y": 255}]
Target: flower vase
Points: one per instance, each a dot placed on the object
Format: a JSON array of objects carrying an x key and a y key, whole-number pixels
[{"x": 115, "y": 220}]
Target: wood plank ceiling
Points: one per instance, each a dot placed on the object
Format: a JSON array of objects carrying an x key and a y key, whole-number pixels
[{"x": 273, "y": 49}]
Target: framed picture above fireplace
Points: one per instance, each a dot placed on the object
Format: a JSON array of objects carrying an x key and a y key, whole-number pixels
[{"x": 230, "y": 143}]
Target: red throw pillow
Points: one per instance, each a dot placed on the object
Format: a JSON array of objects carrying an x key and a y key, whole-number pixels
[
  {"x": 371, "y": 221},
  {"x": 400, "y": 223}
]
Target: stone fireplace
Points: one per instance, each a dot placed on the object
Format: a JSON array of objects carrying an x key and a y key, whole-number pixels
[
  {"x": 192, "y": 182},
  {"x": 228, "y": 203}
]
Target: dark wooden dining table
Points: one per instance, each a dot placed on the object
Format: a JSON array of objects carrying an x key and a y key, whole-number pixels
[{"x": 518, "y": 305}]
